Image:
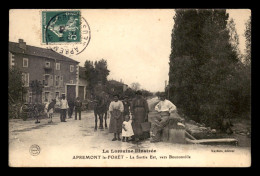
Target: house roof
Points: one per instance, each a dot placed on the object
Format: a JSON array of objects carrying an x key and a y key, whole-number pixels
[{"x": 36, "y": 51}]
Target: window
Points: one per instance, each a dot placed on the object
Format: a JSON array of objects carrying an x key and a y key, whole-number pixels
[
  {"x": 25, "y": 78},
  {"x": 11, "y": 59},
  {"x": 61, "y": 81},
  {"x": 25, "y": 62},
  {"x": 57, "y": 80},
  {"x": 48, "y": 80},
  {"x": 71, "y": 68},
  {"x": 47, "y": 64},
  {"x": 57, "y": 66},
  {"x": 46, "y": 96}
]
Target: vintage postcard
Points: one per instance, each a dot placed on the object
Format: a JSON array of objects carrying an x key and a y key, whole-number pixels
[{"x": 129, "y": 88}]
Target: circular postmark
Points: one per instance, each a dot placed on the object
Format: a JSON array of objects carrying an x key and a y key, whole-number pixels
[
  {"x": 35, "y": 150},
  {"x": 66, "y": 33}
]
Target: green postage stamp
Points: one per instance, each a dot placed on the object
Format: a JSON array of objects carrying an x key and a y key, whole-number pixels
[{"x": 61, "y": 27}]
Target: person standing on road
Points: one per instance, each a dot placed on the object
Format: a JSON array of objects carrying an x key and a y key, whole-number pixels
[
  {"x": 165, "y": 108},
  {"x": 116, "y": 109},
  {"x": 36, "y": 110},
  {"x": 50, "y": 110},
  {"x": 78, "y": 105},
  {"x": 126, "y": 107},
  {"x": 107, "y": 103},
  {"x": 71, "y": 108},
  {"x": 139, "y": 110},
  {"x": 63, "y": 108},
  {"x": 127, "y": 130},
  {"x": 46, "y": 109}
]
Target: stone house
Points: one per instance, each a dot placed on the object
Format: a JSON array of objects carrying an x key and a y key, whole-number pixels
[{"x": 58, "y": 74}]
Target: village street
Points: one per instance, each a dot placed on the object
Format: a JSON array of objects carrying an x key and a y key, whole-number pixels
[{"x": 67, "y": 144}]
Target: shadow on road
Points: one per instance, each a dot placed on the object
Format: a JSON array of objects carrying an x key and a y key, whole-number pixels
[{"x": 35, "y": 127}]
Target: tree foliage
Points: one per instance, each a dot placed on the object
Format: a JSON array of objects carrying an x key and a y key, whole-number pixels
[
  {"x": 15, "y": 85},
  {"x": 101, "y": 71},
  {"x": 234, "y": 38},
  {"x": 16, "y": 90},
  {"x": 96, "y": 72},
  {"x": 248, "y": 42},
  {"x": 205, "y": 66},
  {"x": 146, "y": 93},
  {"x": 129, "y": 93}
]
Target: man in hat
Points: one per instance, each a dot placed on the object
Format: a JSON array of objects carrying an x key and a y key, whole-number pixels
[
  {"x": 165, "y": 108},
  {"x": 78, "y": 105},
  {"x": 71, "y": 108}
]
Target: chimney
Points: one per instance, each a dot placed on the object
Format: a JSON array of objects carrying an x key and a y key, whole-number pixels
[{"x": 22, "y": 44}]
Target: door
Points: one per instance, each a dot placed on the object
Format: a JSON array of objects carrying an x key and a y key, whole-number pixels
[
  {"x": 71, "y": 92},
  {"x": 81, "y": 93}
]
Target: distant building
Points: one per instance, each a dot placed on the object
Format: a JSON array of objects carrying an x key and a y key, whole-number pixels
[
  {"x": 114, "y": 86},
  {"x": 57, "y": 73}
]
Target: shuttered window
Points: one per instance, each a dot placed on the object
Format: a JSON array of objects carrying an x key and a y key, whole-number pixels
[
  {"x": 51, "y": 80},
  {"x": 25, "y": 62},
  {"x": 71, "y": 68},
  {"x": 57, "y": 66},
  {"x": 25, "y": 78},
  {"x": 61, "y": 81},
  {"x": 48, "y": 80}
]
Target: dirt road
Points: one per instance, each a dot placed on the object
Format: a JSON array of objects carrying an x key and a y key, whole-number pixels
[{"x": 75, "y": 143}]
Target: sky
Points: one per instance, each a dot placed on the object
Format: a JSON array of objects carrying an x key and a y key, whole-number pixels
[{"x": 135, "y": 42}]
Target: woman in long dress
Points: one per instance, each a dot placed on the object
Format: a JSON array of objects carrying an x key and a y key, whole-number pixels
[
  {"x": 139, "y": 111},
  {"x": 116, "y": 109}
]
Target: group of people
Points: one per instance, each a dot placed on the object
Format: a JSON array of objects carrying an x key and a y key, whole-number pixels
[
  {"x": 127, "y": 118},
  {"x": 66, "y": 107}
]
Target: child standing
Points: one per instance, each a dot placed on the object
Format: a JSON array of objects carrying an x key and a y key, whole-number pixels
[{"x": 127, "y": 130}]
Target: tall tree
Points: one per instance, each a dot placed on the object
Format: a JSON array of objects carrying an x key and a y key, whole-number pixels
[
  {"x": 96, "y": 72},
  {"x": 16, "y": 90},
  {"x": 234, "y": 38},
  {"x": 90, "y": 74},
  {"x": 248, "y": 42},
  {"x": 202, "y": 60},
  {"x": 101, "y": 71},
  {"x": 15, "y": 85}
]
